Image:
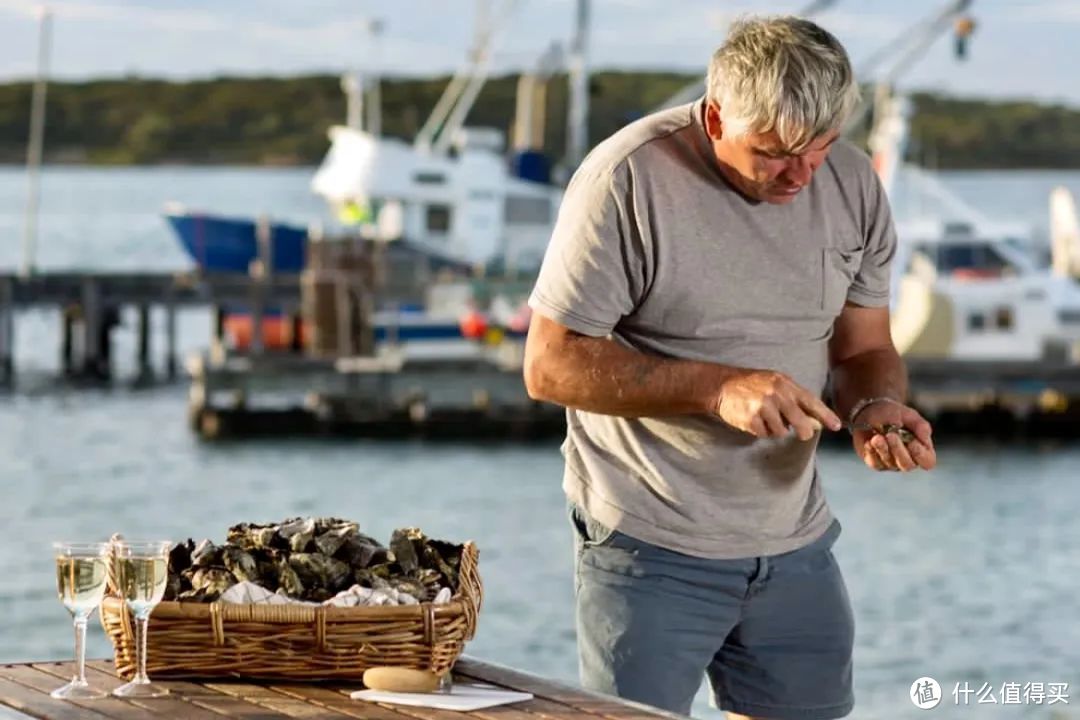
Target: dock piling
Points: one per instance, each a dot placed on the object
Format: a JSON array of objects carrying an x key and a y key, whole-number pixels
[
  {"x": 217, "y": 340},
  {"x": 7, "y": 334},
  {"x": 170, "y": 336},
  {"x": 94, "y": 332},
  {"x": 261, "y": 273},
  {"x": 89, "y": 305},
  {"x": 144, "y": 372},
  {"x": 67, "y": 340}
]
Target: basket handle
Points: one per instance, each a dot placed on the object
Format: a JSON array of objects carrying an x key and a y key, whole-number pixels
[
  {"x": 285, "y": 614},
  {"x": 472, "y": 589}
]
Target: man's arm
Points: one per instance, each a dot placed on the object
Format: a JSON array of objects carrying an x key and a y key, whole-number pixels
[
  {"x": 864, "y": 361},
  {"x": 599, "y": 375},
  {"x": 865, "y": 365}
]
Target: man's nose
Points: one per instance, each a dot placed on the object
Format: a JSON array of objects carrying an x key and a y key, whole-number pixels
[{"x": 799, "y": 171}]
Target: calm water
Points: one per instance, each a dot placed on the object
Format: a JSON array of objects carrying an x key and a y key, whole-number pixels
[{"x": 970, "y": 574}]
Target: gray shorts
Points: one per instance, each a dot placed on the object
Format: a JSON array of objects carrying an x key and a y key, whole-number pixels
[{"x": 773, "y": 634}]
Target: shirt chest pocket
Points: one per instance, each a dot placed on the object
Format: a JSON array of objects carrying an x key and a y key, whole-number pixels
[{"x": 839, "y": 267}]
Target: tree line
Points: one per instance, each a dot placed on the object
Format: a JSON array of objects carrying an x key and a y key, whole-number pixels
[{"x": 267, "y": 121}]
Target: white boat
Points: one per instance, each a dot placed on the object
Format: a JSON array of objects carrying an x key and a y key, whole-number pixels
[
  {"x": 452, "y": 193},
  {"x": 967, "y": 287},
  {"x": 465, "y": 208}
]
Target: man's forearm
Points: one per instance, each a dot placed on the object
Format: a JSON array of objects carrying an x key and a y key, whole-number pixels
[
  {"x": 871, "y": 374},
  {"x": 599, "y": 375}
]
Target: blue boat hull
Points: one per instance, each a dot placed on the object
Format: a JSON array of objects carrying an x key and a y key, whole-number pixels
[{"x": 218, "y": 244}]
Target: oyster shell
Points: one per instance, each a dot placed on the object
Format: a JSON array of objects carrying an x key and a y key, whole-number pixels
[
  {"x": 298, "y": 533},
  {"x": 313, "y": 559},
  {"x": 251, "y": 537},
  {"x": 240, "y": 563},
  {"x": 289, "y": 582},
  {"x": 206, "y": 554},
  {"x": 319, "y": 571}
]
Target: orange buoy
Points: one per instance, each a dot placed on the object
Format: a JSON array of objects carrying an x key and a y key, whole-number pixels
[
  {"x": 473, "y": 325},
  {"x": 277, "y": 332}
]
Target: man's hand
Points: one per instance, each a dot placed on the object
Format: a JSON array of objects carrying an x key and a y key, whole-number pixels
[
  {"x": 765, "y": 403},
  {"x": 887, "y": 450}
]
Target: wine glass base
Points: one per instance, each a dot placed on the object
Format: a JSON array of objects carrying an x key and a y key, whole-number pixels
[
  {"x": 135, "y": 689},
  {"x": 77, "y": 691}
]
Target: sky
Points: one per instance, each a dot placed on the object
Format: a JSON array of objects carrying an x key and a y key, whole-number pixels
[{"x": 1020, "y": 48}]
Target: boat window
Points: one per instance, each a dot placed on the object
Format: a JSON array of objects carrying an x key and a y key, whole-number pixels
[
  {"x": 1003, "y": 318},
  {"x": 975, "y": 256},
  {"x": 438, "y": 218},
  {"x": 429, "y": 178},
  {"x": 526, "y": 210},
  {"x": 1069, "y": 316},
  {"x": 976, "y": 322}
]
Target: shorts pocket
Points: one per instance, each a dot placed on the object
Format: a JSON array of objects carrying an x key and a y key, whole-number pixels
[
  {"x": 838, "y": 268},
  {"x": 591, "y": 532}
]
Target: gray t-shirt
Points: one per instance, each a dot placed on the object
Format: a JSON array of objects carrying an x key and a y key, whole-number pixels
[{"x": 655, "y": 249}]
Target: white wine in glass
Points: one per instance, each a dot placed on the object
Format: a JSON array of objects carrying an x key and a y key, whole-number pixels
[
  {"x": 80, "y": 582},
  {"x": 141, "y": 570}
]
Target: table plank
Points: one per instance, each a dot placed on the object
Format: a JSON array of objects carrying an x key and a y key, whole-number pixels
[
  {"x": 281, "y": 703},
  {"x": 39, "y": 705},
  {"x": 184, "y": 688},
  {"x": 198, "y": 694},
  {"x": 173, "y": 705},
  {"x": 10, "y": 713},
  {"x": 45, "y": 682},
  {"x": 25, "y": 687},
  {"x": 337, "y": 699},
  {"x": 577, "y": 698}
]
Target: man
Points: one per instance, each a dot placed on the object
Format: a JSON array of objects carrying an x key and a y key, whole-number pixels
[{"x": 710, "y": 266}]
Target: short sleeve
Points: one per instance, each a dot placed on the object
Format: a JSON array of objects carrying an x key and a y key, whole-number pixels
[
  {"x": 592, "y": 272},
  {"x": 870, "y": 287}
]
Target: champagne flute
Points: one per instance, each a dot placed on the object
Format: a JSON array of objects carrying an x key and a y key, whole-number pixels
[
  {"x": 141, "y": 570},
  {"x": 80, "y": 582}
]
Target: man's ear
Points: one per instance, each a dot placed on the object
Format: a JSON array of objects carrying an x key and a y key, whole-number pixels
[{"x": 714, "y": 126}]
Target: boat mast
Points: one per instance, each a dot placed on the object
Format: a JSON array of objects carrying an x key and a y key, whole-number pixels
[
  {"x": 577, "y": 117},
  {"x": 457, "y": 99},
  {"x": 37, "y": 138},
  {"x": 353, "y": 87},
  {"x": 373, "y": 80}
]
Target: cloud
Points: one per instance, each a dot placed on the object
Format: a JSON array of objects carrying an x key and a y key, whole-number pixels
[
  {"x": 142, "y": 16},
  {"x": 20, "y": 7},
  {"x": 1040, "y": 11}
]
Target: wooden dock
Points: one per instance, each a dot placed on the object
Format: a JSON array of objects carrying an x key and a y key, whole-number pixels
[
  {"x": 90, "y": 303},
  {"x": 476, "y": 392},
  {"x": 482, "y": 394},
  {"x": 346, "y": 385},
  {"x": 24, "y": 693}
]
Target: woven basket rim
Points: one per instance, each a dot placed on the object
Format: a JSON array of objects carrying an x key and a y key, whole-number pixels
[
  {"x": 172, "y": 609},
  {"x": 252, "y": 612}
]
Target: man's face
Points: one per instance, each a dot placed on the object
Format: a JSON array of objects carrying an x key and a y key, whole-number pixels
[{"x": 758, "y": 165}]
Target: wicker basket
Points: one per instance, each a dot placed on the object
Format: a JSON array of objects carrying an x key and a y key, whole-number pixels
[{"x": 202, "y": 640}]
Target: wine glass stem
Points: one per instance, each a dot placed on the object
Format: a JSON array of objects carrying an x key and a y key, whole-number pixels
[
  {"x": 141, "y": 621},
  {"x": 80, "y": 649}
]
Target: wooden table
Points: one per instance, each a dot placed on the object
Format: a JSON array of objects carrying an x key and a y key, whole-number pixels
[{"x": 25, "y": 688}]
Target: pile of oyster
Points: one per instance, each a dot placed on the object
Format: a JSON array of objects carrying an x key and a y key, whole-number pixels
[{"x": 312, "y": 559}]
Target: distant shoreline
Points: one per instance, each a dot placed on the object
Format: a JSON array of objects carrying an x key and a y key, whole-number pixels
[{"x": 282, "y": 122}]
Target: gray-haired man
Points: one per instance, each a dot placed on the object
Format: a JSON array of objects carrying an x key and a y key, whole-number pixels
[{"x": 711, "y": 265}]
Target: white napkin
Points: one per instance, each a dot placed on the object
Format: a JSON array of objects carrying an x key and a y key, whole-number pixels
[
  {"x": 249, "y": 593},
  {"x": 460, "y": 697}
]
